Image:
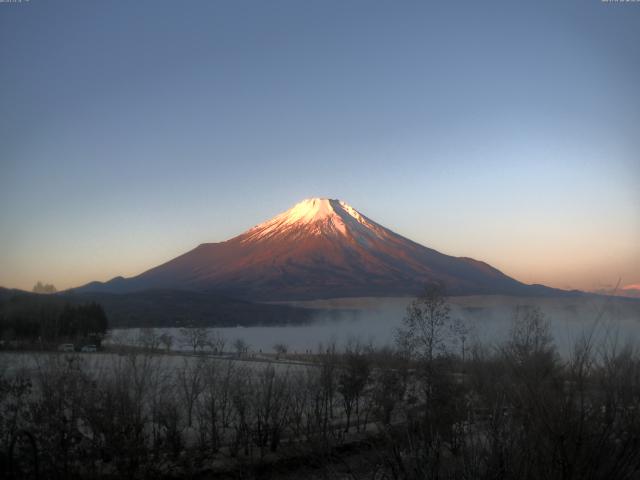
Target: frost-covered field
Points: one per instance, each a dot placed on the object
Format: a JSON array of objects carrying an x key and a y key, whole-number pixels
[
  {"x": 376, "y": 320},
  {"x": 103, "y": 364}
]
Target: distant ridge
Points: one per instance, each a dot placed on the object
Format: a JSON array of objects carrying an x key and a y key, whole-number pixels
[{"x": 320, "y": 248}]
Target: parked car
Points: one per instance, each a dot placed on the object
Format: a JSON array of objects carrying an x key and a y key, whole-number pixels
[
  {"x": 66, "y": 347},
  {"x": 89, "y": 348}
]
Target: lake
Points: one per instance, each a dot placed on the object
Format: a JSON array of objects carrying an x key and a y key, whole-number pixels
[{"x": 375, "y": 320}]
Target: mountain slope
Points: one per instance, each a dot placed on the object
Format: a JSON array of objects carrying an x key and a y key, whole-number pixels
[
  {"x": 320, "y": 248},
  {"x": 178, "y": 308}
]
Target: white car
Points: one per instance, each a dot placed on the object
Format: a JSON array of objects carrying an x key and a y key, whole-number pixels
[{"x": 89, "y": 348}]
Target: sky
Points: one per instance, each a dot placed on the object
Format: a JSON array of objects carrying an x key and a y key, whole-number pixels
[{"x": 130, "y": 132}]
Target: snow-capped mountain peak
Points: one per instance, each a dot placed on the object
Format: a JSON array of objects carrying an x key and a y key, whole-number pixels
[
  {"x": 320, "y": 248},
  {"x": 315, "y": 216},
  {"x": 309, "y": 210}
]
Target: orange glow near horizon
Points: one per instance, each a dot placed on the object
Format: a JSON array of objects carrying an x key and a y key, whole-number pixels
[{"x": 591, "y": 268}]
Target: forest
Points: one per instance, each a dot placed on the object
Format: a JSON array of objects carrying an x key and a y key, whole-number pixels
[{"x": 31, "y": 321}]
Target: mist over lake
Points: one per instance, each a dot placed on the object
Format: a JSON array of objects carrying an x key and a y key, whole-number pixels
[{"x": 375, "y": 320}]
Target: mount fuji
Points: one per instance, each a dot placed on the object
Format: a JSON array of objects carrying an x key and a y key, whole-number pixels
[{"x": 320, "y": 248}]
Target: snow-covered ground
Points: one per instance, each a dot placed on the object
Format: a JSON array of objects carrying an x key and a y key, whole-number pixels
[{"x": 103, "y": 363}]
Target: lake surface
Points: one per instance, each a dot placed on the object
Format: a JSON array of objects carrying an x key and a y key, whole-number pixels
[{"x": 376, "y": 320}]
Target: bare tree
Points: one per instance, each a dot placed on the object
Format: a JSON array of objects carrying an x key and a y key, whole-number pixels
[
  {"x": 15, "y": 392},
  {"x": 196, "y": 338},
  {"x": 242, "y": 389},
  {"x": 461, "y": 330},
  {"x": 280, "y": 349},
  {"x": 117, "y": 412},
  {"x": 352, "y": 380},
  {"x": 530, "y": 333},
  {"x": 271, "y": 404},
  {"x": 425, "y": 327},
  {"x": 530, "y": 350},
  {"x": 148, "y": 339},
  {"x": 190, "y": 383},
  {"x": 214, "y": 407},
  {"x": 166, "y": 340},
  {"x": 301, "y": 387},
  {"x": 327, "y": 388},
  {"x": 241, "y": 347},
  {"x": 217, "y": 342}
]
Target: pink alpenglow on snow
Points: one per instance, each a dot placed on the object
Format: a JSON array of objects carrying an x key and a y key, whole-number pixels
[{"x": 320, "y": 248}]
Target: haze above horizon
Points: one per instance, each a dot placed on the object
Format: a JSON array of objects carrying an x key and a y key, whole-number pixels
[{"x": 132, "y": 132}]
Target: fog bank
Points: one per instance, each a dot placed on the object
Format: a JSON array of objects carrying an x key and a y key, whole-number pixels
[{"x": 375, "y": 320}]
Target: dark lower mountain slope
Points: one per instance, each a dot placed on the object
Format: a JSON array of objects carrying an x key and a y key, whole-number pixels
[
  {"x": 161, "y": 308},
  {"x": 179, "y": 308}
]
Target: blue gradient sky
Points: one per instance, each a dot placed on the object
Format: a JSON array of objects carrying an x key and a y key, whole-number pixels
[{"x": 133, "y": 131}]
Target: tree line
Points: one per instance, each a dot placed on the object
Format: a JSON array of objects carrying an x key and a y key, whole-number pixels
[{"x": 46, "y": 319}]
